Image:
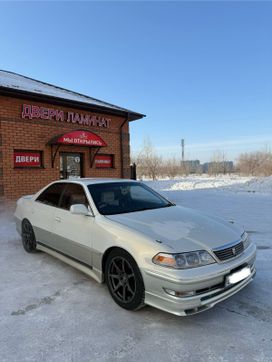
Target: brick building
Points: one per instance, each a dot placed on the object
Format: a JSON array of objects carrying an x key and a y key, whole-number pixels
[{"x": 48, "y": 133}]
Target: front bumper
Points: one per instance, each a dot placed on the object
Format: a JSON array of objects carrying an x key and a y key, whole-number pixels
[
  {"x": 18, "y": 223},
  {"x": 208, "y": 283}
]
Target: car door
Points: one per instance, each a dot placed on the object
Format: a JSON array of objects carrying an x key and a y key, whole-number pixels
[
  {"x": 73, "y": 233},
  {"x": 43, "y": 211}
]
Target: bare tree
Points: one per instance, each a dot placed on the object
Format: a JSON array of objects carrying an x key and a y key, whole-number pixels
[
  {"x": 216, "y": 165},
  {"x": 170, "y": 167},
  {"x": 255, "y": 163},
  {"x": 148, "y": 162}
]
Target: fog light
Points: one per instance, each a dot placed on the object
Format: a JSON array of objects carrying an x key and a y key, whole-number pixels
[{"x": 180, "y": 294}]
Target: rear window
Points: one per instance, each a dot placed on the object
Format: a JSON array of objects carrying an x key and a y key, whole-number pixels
[{"x": 51, "y": 195}]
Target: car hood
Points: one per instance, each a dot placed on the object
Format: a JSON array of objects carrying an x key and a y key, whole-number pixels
[{"x": 180, "y": 228}]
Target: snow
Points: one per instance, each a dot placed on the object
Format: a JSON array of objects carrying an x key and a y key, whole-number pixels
[
  {"x": 230, "y": 183},
  {"x": 51, "y": 312},
  {"x": 17, "y": 81}
]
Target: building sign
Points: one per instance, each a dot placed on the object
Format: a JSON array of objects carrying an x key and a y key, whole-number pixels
[
  {"x": 103, "y": 161},
  {"x": 79, "y": 138},
  {"x": 27, "y": 159},
  {"x": 84, "y": 119}
]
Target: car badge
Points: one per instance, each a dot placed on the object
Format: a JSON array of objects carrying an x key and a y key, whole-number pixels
[{"x": 233, "y": 251}]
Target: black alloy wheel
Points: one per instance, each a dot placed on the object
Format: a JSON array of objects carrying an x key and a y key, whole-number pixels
[
  {"x": 124, "y": 280},
  {"x": 28, "y": 237}
]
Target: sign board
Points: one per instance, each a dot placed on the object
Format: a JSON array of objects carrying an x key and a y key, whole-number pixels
[
  {"x": 79, "y": 138},
  {"x": 27, "y": 159},
  {"x": 103, "y": 161},
  {"x": 85, "y": 119}
]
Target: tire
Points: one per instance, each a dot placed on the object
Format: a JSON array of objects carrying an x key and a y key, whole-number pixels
[
  {"x": 124, "y": 280},
  {"x": 28, "y": 237}
]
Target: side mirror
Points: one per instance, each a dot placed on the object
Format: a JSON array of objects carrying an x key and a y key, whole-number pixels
[{"x": 79, "y": 209}]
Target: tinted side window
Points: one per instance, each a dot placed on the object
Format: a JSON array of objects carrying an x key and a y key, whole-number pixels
[
  {"x": 73, "y": 194},
  {"x": 51, "y": 195}
]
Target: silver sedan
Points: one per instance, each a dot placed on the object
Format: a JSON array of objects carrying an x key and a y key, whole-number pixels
[{"x": 146, "y": 249}]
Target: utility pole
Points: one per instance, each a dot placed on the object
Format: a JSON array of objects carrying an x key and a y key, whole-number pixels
[{"x": 182, "y": 150}]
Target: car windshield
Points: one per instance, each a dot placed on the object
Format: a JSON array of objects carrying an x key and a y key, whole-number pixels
[{"x": 122, "y": 197}]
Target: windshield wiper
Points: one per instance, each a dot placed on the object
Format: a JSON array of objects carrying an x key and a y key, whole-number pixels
[
  {"x": 153, "y": 208},
  {"x": 170, "y": 204},
  {"x": 136, "y": 210}
]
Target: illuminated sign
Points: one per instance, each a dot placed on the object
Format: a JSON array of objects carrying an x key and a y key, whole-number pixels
[
  {"x": 84, "y": 119},
  {"x": 103, "y": 161},
  {"x": 27, "y": 159}
]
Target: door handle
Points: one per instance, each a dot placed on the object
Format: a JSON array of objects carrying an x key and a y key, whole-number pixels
[{"x": 58, "y": 219}]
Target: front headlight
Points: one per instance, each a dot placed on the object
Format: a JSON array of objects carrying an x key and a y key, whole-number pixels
[
  {"x": 184, "y": 260},
  {"x": 245, "y": 240}
]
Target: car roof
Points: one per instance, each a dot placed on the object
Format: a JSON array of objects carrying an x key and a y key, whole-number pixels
[{"x": 92, "y": 181}]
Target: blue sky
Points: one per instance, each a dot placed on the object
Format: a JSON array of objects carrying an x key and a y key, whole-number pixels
[{"x": 199, "y": 70}]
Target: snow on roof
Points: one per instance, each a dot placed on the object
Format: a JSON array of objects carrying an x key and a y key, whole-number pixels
[{"x": 19, "y": 82}]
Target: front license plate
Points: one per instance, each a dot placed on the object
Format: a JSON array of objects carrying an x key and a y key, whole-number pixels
[{"x": 236, "y": 277}]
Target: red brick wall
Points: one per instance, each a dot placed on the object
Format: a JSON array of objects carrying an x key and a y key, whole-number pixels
[{"x": 18, "y": 133}]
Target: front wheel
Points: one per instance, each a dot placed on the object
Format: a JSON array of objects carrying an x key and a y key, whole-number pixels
[
  {"x": 124, "y": 280},
  {"x": 28, "y": 237}
]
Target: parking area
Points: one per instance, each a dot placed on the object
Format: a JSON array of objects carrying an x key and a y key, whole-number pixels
[{"x": 51, "y": 312}]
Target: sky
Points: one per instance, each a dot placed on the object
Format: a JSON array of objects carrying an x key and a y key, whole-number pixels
[{"x": 201, "y": 71}]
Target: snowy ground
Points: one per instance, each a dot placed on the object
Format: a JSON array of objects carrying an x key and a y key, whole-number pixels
[{"x": 51, "y": 312}]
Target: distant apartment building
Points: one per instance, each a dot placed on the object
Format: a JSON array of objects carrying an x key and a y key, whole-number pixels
[
  {"x": 194, "y": 166},
  {"x": 218, "y": 167}
]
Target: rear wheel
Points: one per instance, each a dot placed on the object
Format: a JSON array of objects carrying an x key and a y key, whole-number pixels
[
  {"x": 28, "y": 237},
  {"x": 124, "y": 280}
]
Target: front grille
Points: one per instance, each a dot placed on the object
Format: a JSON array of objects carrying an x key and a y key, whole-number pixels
[
  {"x": 210, "y": 289},
  {"x": 230, "y": 252}
]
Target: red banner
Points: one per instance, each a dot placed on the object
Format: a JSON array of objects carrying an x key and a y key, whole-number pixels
[
  {"x": 103, "y": 161},
  {"x": 81, "y": 138},
  {"x": 27, "y": 159}
]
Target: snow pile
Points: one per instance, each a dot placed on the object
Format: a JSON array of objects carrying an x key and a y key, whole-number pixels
[
  {"x": 257, "y": 184},
  {"x": 231, "y": 183}
]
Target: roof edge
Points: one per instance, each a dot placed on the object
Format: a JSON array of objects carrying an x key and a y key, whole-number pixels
[
  {"x": 131, "y": 115},
  {"x": 117, "y": 108}
]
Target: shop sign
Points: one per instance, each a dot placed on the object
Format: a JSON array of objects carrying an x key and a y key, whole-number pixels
[
  {"x": 84, "y": 119},
  {"x": 103, "y": 161},
  {"x": 27, "y": 159},
  {"x": 81, "y": 138}
]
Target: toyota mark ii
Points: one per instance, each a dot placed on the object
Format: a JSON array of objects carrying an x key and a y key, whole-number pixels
[{"x": 147, "y": 249}]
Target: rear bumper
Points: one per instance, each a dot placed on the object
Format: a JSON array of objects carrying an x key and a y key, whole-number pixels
[{"x": 208, "y": 284}]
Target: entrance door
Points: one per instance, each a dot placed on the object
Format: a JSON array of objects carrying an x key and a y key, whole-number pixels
[{"x": 71, "y": 165}]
